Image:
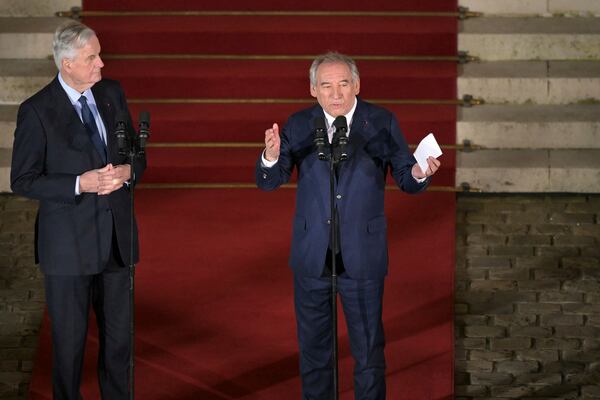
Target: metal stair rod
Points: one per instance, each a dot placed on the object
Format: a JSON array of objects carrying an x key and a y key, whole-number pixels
[
  {"x": 77, "y": 12},
  {"x": 462, "y": 57}
]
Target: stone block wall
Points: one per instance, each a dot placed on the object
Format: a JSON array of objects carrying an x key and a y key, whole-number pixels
[
  {"x": 21, "y": 296},
  {"x": 528, "y": 297}
]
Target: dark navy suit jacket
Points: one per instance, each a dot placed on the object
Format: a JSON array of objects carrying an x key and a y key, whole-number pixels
[
  {"x": 376, "y": 146},
  {"x": 51, "y": 148}
]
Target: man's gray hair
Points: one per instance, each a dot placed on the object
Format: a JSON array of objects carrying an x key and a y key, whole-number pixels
[
  {"x": 332, "y": 57},
  {"x": 69, "y": 38}
]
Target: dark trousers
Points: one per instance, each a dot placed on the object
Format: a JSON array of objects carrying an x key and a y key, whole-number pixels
[
  {"x": 362, "y": 305},
  {"x": 69, "y": 299}
]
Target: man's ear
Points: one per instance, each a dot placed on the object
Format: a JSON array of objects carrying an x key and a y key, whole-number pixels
[
  {"x": 313, "y": 91},
  {"x": 66, "y": 64}
]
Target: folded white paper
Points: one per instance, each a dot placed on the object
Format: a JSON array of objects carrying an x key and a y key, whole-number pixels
[{"x": 427, "y": 148}]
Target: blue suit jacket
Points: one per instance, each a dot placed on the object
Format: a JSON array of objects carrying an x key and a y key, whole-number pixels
[
  {"x": 376, "y": 146},
  {"x": 74, "y": 234}
]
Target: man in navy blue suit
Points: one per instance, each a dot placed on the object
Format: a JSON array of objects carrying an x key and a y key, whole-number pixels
[
  {"x": 65, "y": 155},
  {"x": 376, "y": 146}
]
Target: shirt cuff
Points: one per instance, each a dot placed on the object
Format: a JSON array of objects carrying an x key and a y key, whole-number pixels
[
  {"x": 77, "y": 193},
  {"x": 420, "y": 180},
  {"x": 266, "y": 163}
]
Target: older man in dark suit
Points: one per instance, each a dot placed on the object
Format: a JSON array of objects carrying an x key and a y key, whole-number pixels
[
  {"x": 375, "y": 147},
  {"x": 65, "y": 156}
]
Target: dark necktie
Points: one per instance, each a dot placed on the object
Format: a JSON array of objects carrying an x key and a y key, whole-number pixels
[{"x": 92, "y": 128}]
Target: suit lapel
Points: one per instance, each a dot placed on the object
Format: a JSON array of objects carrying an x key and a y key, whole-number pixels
[
  {"x": 360, "y": 134},
  {"x": 318, "y": 170}
]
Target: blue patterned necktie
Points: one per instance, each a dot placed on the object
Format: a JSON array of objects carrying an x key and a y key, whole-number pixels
[{"x": 92, "y": 128}]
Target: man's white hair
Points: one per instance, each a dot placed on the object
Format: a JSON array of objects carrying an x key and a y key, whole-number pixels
[
  {"x": 69, "y": 38},
  {"x": 332, "y": 57}
]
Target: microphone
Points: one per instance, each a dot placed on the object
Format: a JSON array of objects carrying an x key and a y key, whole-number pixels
[
  {"x": 144, "y": 129},
  {"x": 121, "y": 133},
  {"x": 340, "y": 138},
  {"x": 320, "y": 137}
]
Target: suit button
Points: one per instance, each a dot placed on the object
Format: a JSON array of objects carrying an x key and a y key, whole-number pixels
[
  {"x": 264, "y": 176},
  {"x": 328, "y": 222},
  {"x": 339, "y": 196}
]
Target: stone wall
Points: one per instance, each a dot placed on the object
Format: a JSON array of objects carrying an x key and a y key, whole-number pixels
[
  {"x": 21, "y": 296},
  {"x": 528, "y": 297}
]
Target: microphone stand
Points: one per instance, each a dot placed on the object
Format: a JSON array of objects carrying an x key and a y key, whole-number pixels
[
  {"x": 334, "y": 251},
  {"x": 133, "y": 152},
  {"x": 133, "y": 146},
  {"x": 333, "y": 159}
]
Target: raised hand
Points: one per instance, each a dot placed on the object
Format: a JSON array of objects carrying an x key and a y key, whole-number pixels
[{"x": 272, "y": 143}]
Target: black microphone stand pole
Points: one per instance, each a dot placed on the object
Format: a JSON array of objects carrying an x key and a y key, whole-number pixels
[
  {"x": 334, "y": 251},
  {"x": 133, "y": 146},
  {"x": 337, "y": 155},
  {"x": 132, "y": 156},
  {"x": 338, "y": 142}
]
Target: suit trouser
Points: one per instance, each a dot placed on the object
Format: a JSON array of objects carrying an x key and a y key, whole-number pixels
[
  {"x": 68, "y": 299},
  {"x": 362, "y": 304}
]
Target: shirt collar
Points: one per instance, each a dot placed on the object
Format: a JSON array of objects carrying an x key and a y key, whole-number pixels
[
  {"x": 73, "y": 94},
  {"x": 348, "y": 116}
]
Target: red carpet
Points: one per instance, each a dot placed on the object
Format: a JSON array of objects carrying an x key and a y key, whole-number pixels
[
  {"x": 205, "y": 333},
  {"x": 276, "y": 35},
  {"x": 246, "y": 122},
  {"x": 263, "y": 78},
  {"x": 214, "y": 294}
]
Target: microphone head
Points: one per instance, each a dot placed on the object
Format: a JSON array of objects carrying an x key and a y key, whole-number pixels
[
  {"x": 319, "y": 123},
  {"x": 341, "y": 125},
  {"x": 122, "y": 119},
  {"x": 122, "y": 116},
  {"x": 145, "y": 117}
]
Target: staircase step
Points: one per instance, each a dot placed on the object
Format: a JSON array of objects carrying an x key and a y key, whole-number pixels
[
  {"x": 253, "y": 78},
  {"x": 574, "y": 7},
  {"x": 232, "y": 165},
  {"x": 275, "y": 78},
  {"x": 35, "y": 8},
  {"x": 531, "y": 126},
  {"x": 5, "y": 159},
  {"x": 19, "y": 79},
  {"x": 534, "y": 7},
  {"x": 8, "y": 118},
  {"x": 248, "y": 122},
  {"x": 277, "y": 35},
  {"x": 28, "y": 37},
  {"x": 525, "y": 82},
  {"x": 268, "y": 5},
  {"x": 576, "y": 171},
  {"x": 498, "y": 38}
]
